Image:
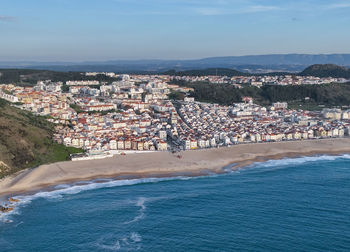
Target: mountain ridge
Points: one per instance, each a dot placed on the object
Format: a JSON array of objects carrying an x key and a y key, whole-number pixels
[{"x": 273, "y": 62}]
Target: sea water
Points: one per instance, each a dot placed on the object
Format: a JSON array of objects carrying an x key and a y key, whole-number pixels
[{"x": 300, "y": 204}]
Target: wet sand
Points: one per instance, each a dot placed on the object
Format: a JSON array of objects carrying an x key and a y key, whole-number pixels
[{"x": 159, "y": 164}]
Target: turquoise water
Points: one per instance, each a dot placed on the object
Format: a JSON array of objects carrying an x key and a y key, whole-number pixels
[{"x": 300, "y": 204}]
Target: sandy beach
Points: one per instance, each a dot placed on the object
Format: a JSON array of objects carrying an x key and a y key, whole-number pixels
[{"x": 166, "y": 164}]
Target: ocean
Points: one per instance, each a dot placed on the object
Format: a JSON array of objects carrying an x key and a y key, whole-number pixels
[{"x": 299, "y": 204}]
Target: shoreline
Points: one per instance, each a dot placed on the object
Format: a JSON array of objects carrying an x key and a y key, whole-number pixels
[{"x": 165, "y": 164}]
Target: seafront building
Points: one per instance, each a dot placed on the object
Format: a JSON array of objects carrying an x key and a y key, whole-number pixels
[{"x": 135, "y": 113}]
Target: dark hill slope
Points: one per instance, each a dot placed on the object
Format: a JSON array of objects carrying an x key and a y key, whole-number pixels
[
  {"x": 327, "y": 70},
  {"x": 25, "y": 141}
]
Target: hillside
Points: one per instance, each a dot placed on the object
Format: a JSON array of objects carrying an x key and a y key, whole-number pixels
[
  {"x": 328, "y": 95},
  {"x": 327, "y": 70},
  {"x": 31, "y": 76},
  {"x": 25, "y": 141}
]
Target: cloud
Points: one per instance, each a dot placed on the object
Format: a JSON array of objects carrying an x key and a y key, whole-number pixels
[
  {"x": 7, "y": 18},
  {"x": 261, "y": 8},
  {"x": 338, "y": 6},
  {"x": 244, "y": 10},
  {"x": 210, "y": 11},
  {"x": 203, "y": 7}
]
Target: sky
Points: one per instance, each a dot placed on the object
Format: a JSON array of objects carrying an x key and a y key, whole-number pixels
[{"x": 97, "y": 30}]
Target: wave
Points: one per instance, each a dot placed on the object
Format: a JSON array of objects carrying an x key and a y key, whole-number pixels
[
  {"x": 287, "y": 162},
  {"x": 114, "y": 243},
  {"x": 140, "y": 203},
  {"x": 301, "y": 160},
  {"x": 66, "y": 189}
]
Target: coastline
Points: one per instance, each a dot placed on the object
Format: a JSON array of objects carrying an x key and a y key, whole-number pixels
[{"x": 163, "y": 164}]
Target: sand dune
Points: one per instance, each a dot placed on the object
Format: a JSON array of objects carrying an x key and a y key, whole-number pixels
[{"x": 165, "y": 163}]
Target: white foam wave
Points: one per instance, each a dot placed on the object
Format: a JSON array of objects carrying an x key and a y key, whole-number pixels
[
  {"x": 299, "y": 160},
  {"x": 78, "y": 187},
  {"x": 114, "y": 247},
  {"x": 135, "y": 237},
  {"x": 113, "y": 243},
  {"x": 140, "y": 203},
  {"x": 6, "y": 218}
]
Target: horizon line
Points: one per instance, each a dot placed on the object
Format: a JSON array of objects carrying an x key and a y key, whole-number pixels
[{"x": 170, "y": 59}]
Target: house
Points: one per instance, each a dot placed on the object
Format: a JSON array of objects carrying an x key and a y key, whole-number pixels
[
  {"x": 120, "y": 144},
  {"x": 304, "y": 135},
  {"x": 140, "y": 145},
  {"x": 252, "y": 138},
  {"x": 75, "y": 142},
  {"x": 194, "y": 144},
  {"x": 187, "y": 144},
  {"x": 329, "y": 133},
  {"x": 161, "y": 145},
  {"x": 310, "y": 134},
  {"x": 146, "y": 145},
  {"x": 113, "y": 144},
  {"x": 162, "y": 134},
  {"x": 134, "y": 144},
  {"x": 127, "y": 144},
  {"x": 335, "y": 132},
  {"x": 289, "y": 136},
  {"x": 201, "y": 143},
  {"x": 296, "y": 135}
]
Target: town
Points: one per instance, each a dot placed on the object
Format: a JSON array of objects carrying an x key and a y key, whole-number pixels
[
  {"x": 259, "y": 81},
  {"x": 134, "y": 113}
]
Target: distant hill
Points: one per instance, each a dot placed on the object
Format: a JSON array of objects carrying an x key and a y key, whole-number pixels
[
  {"x": 25, "y": 141},
  {"x": 251, "y": 63},
  {"x": 209, "y": 71},
  {"x": 29, "y": 77},
  {"x": 220, "y": 72},
  {"x": 327, "y": 70},
  {"x": 283, "y": 59}
]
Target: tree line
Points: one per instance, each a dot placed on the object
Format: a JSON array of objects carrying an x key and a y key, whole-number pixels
[{"x": 226, "y": 94}]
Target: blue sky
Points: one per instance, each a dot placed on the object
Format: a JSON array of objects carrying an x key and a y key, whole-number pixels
[{"x": 77, "y": 30}]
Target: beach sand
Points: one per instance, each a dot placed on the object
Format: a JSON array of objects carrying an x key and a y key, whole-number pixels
[{"x": 166, "y": 164}]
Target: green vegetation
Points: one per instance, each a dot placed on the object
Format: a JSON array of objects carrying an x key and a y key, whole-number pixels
[
  {"x": 176, "y": 95},
  {"x": 65, "y": 88},
  {"x": 308, "y": 95},
  {"x": 318, "y": 70},
  {"x": 104, "y": 112},
  {"x": 30, "y": 77},
  {"x": 7, "y": 92},
  {"x": 26, "y": 141},
  {"x": 77, "y": 108},
  {"x": 305, "y": 105},
  {"x": 327, "y": 70}
]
